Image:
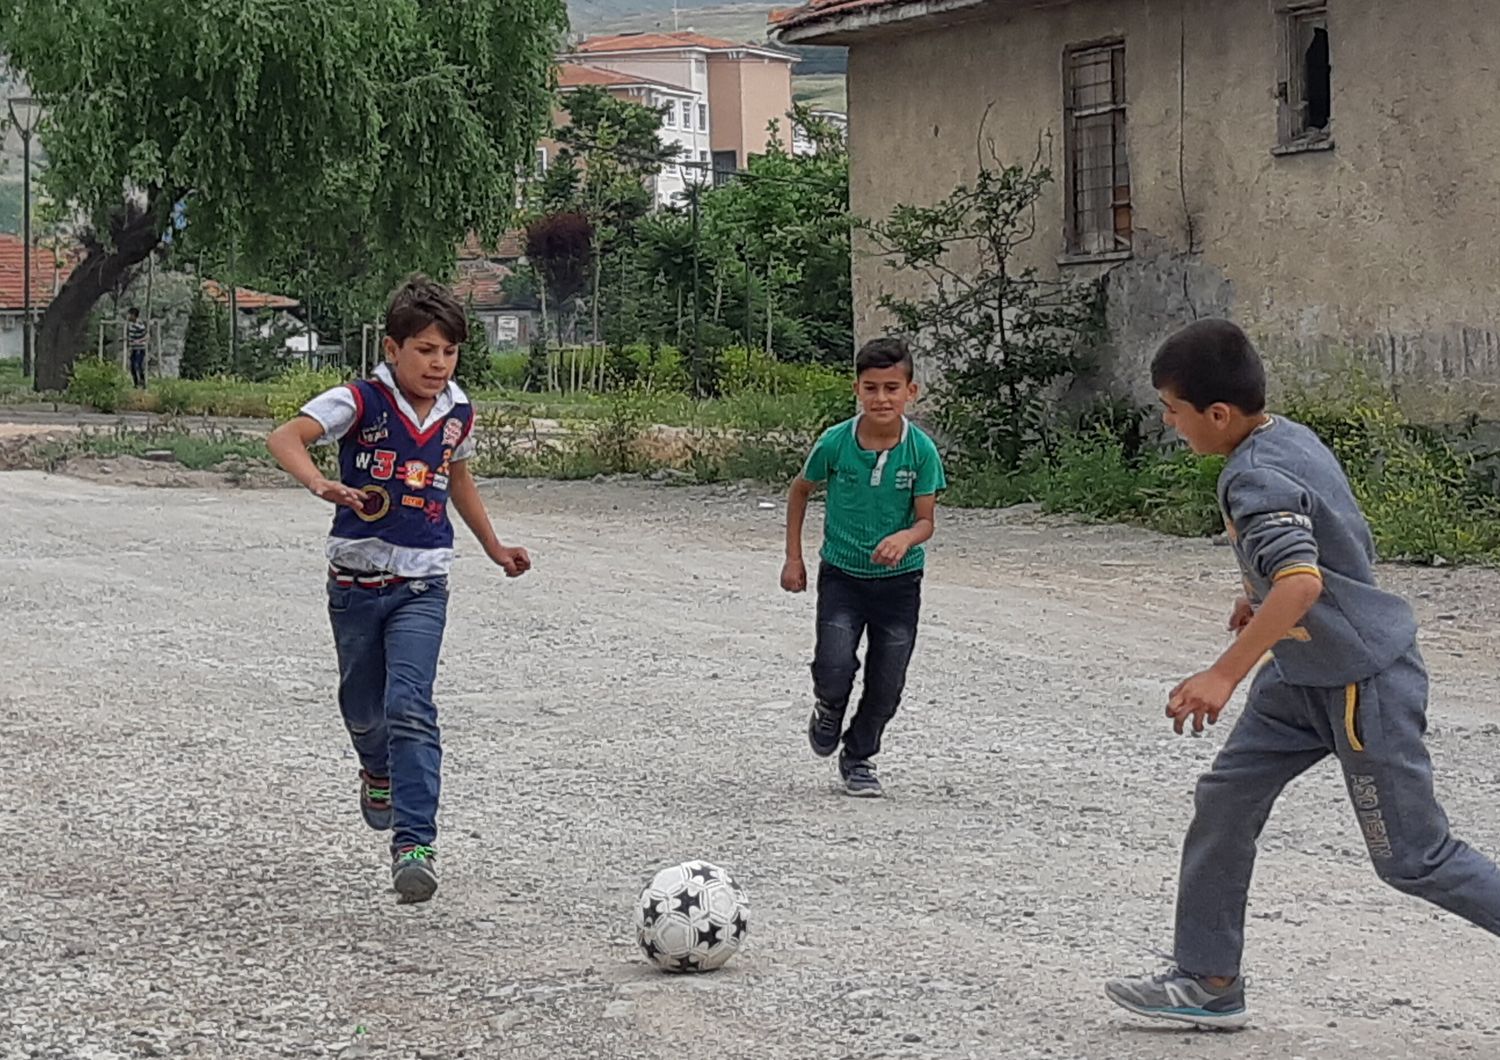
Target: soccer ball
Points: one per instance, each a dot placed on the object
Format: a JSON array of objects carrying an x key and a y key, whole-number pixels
[{"x": 692, "y": 917}]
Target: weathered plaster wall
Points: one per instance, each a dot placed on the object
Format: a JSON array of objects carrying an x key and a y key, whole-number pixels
[{"x": 1387, "y": 246}]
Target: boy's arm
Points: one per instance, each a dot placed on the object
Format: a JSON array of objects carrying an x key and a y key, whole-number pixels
[
  {"x": 288, "y": 445},
  {"x": 1272, "y": 515},
  {"x": 464, "y": 492},
  {"x": 1204, "y": 695},
  {"x": 893, "y": 549},
  {"x": 794, "y": 571}
]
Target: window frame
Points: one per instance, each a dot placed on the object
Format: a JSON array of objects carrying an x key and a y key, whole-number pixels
[
  {"x": 1073, "y": 249},
  {"x": 1293, "y": 136}
]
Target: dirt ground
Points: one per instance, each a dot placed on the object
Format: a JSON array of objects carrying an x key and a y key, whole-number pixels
[{"x": 188, "y": 874}]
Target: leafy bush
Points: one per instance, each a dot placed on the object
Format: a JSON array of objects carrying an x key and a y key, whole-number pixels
[
  {"x": 297, "y": 387},
  {"x": 509, "y": 370},
  {"x": 1427, "y": 499},
  {"x": 660, "y": 368},
  {"x": 100, "y": 385},
  {"x": 174, "y": 397}
]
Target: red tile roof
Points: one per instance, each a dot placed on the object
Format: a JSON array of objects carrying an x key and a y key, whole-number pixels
[
  {"x": 575, "y": 75},
  {"x": 49, "y": 271},
  {"x": 817, "y": 10},
  {"x": 512, "y": 246},
  {"x": 479, "y": 284},
  {"x": 637, "y": 42},
  {"x": 244, "y": 298}
]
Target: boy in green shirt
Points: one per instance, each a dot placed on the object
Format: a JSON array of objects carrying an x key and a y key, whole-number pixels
[{"x": 883, "y": 476}]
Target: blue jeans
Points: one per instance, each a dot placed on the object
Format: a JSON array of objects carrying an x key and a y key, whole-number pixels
[
  {"x": 883, "y": 610},
  {"x": 388, "y": 642}
]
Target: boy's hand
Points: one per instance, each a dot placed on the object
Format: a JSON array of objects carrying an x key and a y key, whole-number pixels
[
  {"x": 1240, "y": 617},
  {"x": 892, "y": 550},
  {"x": 337, "y": 493},
  {"x": 794, "y": 576},
  {"x": 1202, "y": 696},
  {"x": 514, "y": 561}
]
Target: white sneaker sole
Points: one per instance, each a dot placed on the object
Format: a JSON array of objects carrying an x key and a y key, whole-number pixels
[{"x": 1232, "y": 1021}]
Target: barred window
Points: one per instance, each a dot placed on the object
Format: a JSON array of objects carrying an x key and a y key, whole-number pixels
[{"x": 1098, "y": 165}]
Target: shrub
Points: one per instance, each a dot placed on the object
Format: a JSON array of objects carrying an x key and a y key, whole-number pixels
[
  {"x": 100, "y": 385},
  {"x": 1427, "y": 499},
  {"x": 174, "y": 397},
  {"x": 297, "y": 387}
]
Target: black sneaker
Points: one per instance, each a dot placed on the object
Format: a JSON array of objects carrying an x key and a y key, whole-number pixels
[
  {"x": 375, "y": 801},
  {"x": 859, "y": 778},
  {"x": 414, "y": 874},
  {"x": 824, "y": 729}
]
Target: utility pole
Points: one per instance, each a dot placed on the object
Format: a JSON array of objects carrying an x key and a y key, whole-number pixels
[
  {"x": 24, "y": 115},
  {"x": 700, "y": 373}
]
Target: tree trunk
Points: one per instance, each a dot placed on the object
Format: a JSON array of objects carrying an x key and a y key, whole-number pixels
[
  {"x": 594, "y": 307},
  {"x": 770, "y": 317},
  {"x": 61, "y": 332},
  {"x": 551, "y": 382}
]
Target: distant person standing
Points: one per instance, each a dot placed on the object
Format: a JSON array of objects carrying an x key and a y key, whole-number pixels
[{"x": 135, "y": 338}]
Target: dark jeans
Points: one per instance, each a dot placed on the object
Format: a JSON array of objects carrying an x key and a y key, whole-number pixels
[
  {"x": 388, "y": 642},
  {"x": 138, "y": 367},
  {"x": 883, "y": 609}
]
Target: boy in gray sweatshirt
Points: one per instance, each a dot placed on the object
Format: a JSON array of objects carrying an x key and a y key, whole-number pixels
[{"x": 1345, "y": 678}]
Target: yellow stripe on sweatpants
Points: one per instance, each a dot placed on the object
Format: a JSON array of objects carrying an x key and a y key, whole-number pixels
[{"x": 1351, "y": 708}]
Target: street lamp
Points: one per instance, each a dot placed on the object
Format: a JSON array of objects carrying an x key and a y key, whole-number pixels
[{"x": 25, "y": 112}]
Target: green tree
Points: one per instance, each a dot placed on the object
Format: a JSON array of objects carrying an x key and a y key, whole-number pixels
[
  {"x": 205, "y": 350},
  {"x": 476, "y": 366},
  {"x": 781, "y": 231},
  {"x": 610, "y": 150},
  {"x": 1000, "y": 334},
  {"x": 380, "y": 131}
]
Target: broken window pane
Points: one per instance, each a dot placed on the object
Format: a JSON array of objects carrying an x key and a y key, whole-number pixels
[{"x": 1306, "y": 87}]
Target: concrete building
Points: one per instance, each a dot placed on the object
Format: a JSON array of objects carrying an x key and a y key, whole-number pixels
[
  {"x": 684, "y": 121},
  {"x": 738, "y": 89},
  {"x": 1325, "y": 173}
]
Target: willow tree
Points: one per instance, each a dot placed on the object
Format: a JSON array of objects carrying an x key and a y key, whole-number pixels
[{"x": 377, "y": 131}]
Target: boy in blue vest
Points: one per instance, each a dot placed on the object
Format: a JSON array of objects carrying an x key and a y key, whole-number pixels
[
  {"x": 1345, "y": 679},
  {"x": 404, "y": 439}
]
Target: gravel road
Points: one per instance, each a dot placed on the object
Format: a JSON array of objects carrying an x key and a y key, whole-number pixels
[{"x": 188, "y": 875}]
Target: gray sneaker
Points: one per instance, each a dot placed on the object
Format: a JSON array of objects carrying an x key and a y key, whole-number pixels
[
  {"x": 414, "y": 874},
  {"x": 859, "y": 778},
  {"x": 1174, "y": 995}
]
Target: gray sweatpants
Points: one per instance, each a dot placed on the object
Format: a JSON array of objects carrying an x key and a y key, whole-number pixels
[{"x": 1376, "y": 729}]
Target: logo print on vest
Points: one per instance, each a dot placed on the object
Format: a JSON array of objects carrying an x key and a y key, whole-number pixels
[
  {"x": 453, "y": 430},
  {"x": 376, "y": 431},
  {"x": 418, "y": 476},
  {"x": 377, "y": 504}
]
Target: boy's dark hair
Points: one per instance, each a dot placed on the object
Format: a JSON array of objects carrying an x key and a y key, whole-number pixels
[
  {"x": 884, "y": 353},
  {"x": 420, "y": 303},
  {"x": 133, "y": 312},
  {"x": 1208, "y": 362}
]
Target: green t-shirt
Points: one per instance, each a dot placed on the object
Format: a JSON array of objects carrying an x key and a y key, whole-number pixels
[{"x": 865, "y": 507}]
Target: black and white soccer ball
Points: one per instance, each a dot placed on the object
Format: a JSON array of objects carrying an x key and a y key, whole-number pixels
[{"x": 692, "y": 917}]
